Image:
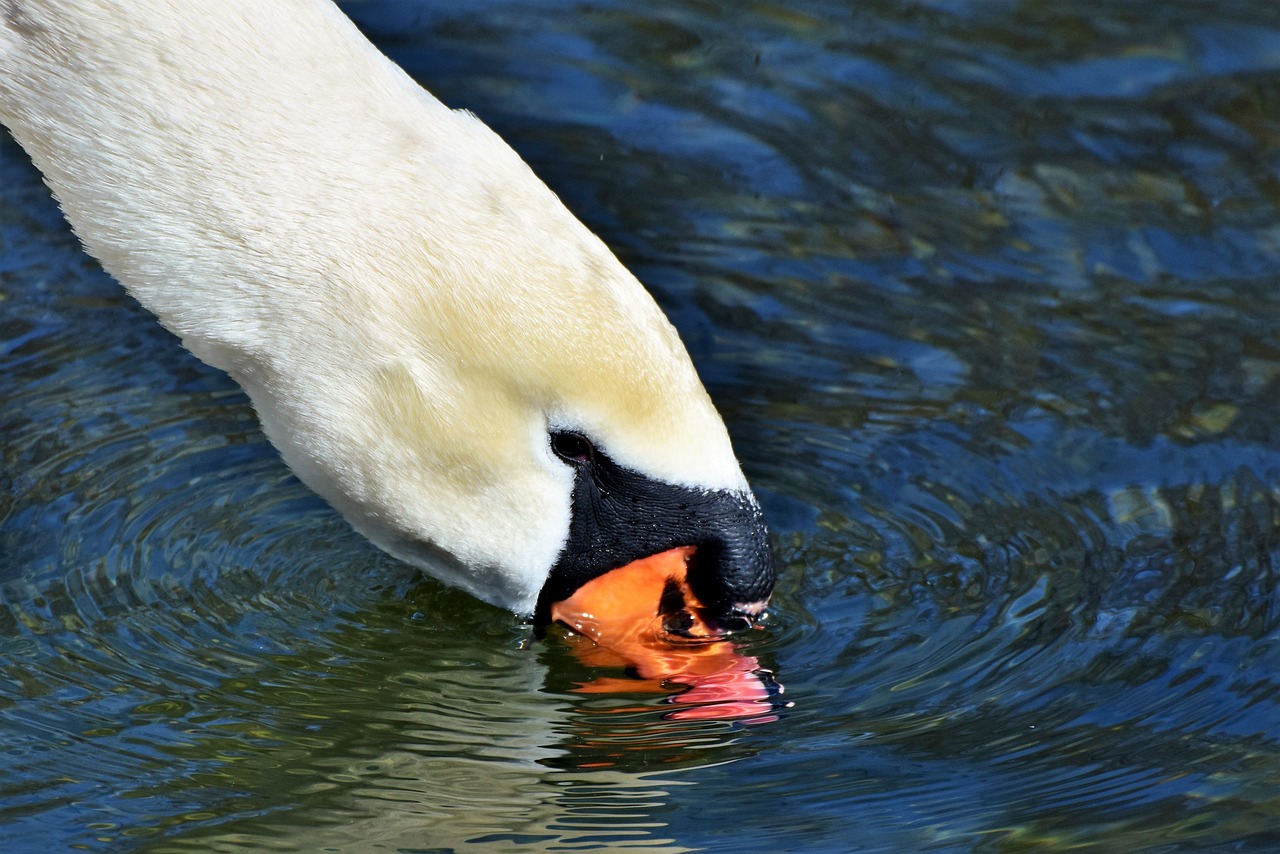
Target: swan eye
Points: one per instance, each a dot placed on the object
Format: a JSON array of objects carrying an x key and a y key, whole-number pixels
[{"x": 572, "y": 448}]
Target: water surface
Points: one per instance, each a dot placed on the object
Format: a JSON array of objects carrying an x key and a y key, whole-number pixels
[{"x": 987, "y": 295}]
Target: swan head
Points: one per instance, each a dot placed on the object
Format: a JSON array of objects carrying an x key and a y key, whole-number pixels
[
  {"x": 524, "y": 445},
  {"x": 431, "y": 340},
  {"x": 486, "y": 392}
]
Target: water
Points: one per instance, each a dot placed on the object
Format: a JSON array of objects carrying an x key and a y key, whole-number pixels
[{"x": 987, "y": 295}]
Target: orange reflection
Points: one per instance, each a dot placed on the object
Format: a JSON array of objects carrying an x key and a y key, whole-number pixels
[{"x": 644, "y": 617}]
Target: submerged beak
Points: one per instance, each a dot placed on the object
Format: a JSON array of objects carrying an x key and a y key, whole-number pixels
[{"x": 647, "y": 618}]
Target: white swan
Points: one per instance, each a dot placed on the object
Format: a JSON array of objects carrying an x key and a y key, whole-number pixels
[{"x": 431, "y": 340}]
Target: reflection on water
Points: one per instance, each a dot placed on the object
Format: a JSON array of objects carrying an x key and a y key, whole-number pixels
[{"x": 987, "y": 295}]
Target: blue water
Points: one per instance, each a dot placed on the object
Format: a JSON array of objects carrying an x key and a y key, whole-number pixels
[{"x": 987, "y": 293}]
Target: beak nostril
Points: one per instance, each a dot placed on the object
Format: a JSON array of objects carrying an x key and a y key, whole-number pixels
[{"x": 672, "y": 600}]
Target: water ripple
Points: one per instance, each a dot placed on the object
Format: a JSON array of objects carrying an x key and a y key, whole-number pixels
[{"x": 986, "y": 295}]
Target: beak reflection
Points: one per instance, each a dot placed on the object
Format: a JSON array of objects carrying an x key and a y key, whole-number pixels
[{"x": 645, "y": 617}]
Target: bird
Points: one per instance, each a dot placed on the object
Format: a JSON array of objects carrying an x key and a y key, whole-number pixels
[{"x": 431, "y": 340}]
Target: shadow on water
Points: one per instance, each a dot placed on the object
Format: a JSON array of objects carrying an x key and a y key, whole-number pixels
[{"x": 987, "y": 295}]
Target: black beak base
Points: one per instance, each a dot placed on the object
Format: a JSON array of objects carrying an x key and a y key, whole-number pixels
[{"x": 619, "y": 516}]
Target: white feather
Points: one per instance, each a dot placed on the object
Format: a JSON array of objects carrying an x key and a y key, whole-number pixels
[{"x": 406, "y": 304}]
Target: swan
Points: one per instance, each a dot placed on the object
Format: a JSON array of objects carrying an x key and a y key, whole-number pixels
[{"x": 430, "y": 339}]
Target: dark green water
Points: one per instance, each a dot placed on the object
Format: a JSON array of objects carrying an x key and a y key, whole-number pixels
[{"x": 988, "y": 294}]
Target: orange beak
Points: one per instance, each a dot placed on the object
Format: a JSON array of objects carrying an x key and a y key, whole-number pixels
[{"x": 645, "y": 615}]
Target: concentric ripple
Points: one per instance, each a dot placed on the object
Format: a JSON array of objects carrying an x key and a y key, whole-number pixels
[{"x": 987, "y": 295}]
